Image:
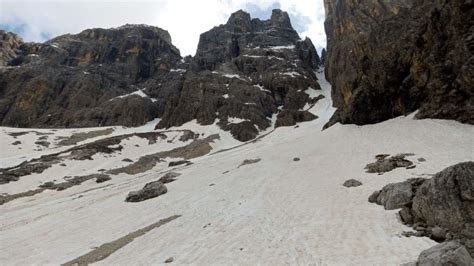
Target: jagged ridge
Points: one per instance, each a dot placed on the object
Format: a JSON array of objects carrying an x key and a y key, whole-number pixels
[{"x": 247, "y": 69}]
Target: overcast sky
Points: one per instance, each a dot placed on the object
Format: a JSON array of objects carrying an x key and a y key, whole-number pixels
[{"x": 40, "y": 20}]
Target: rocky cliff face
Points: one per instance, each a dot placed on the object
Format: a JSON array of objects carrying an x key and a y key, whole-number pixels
[
  {"x": 390, "y": 58},
  {"x": 244, "y": 72},
  {"x": 9, "y": 47},
  {"x": 74, "y": 80}
]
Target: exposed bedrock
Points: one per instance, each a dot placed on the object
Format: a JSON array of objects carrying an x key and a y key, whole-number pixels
[
  {"x": 76, "y": 80},
  {"x": 243, "y": 73},
  {"x": 390, "y": 58}
]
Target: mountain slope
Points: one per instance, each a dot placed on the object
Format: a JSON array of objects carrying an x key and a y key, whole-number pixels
[
  {"x": 243, "y": 74},
  {"x": 276, "y": 210}
]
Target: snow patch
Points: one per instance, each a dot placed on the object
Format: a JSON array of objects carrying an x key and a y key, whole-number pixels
[
  {"x": 268, "y": 57},
  {"x": 138, "y": 93},
  {"x": 282, "y": 47},
  {"x": 236, "y": 120},
  {"x": 180, "y": 70},
  {"x": 292, "y": 74},
  {"x": 260, "y": 87}
]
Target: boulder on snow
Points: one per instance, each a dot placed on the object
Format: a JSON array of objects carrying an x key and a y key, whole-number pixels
[
  {"x": 169, "y": 177},
  {"x": 447, "y": 199},
  {"x": 441, "y": 207},
  {"x": 448, "y": 253},
  {"x": 100, "y": 178},
  {"x": 352, "y": 183},
  {"x": 149, "y": 191},
  {"x": 176, "y": 163},
  {"x": 396, "y": 195}
]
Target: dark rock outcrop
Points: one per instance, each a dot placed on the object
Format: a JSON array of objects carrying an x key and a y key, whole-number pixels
[
  {"x": 390, "y": 58},
  {"x": 149, "y": 191},
  {"x": 197, "y": 148},
  {"x": 75, "y": 80},
  {"x": 247, "y": 69},
  {"x": 81, "y": 152},
  {"x": 10, "y": 47},
  {"x": 441, "y": 207}
]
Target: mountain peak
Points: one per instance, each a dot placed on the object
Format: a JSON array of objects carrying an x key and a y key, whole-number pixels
[
  {"x": 280, "y": 19},
  {"x": 240, "y": 21},
  {"x": 239, "y": 15}
]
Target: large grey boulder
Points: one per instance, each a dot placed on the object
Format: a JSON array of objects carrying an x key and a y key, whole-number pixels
[
  {"x": 446, "y": 254},
  {"x": 396, "y": 195},
  {"x": 441, "y": 207},
  {"x": 149, "y": 191},
  {"x": 447, "y": 199}
]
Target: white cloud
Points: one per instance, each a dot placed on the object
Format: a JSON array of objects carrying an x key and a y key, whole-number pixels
[{"x": 184, "y": 19}]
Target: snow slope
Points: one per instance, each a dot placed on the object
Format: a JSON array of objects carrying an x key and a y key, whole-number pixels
[{"x": 273, "y": 212}]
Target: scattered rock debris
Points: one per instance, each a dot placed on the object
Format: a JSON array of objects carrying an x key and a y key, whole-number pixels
[{"x": 385, "y": 163}]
